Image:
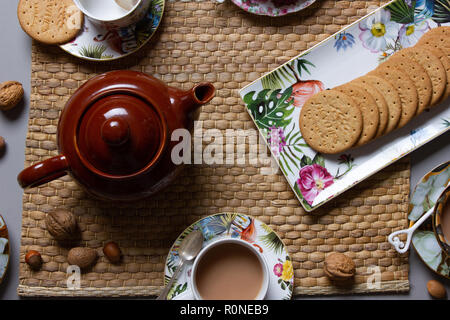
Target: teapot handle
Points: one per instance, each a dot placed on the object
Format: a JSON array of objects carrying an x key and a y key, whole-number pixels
[{"x": 43, "y": 172}]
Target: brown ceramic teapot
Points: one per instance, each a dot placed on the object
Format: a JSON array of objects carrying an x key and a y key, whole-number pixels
[{"x": 114, "y": 135}]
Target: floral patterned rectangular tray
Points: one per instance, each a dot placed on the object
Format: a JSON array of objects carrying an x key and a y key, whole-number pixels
[{"x": 274, "y": 101}]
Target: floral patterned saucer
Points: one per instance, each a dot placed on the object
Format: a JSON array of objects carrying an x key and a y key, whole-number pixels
[
  {"x": 273, "y": 8},
  {"x": 4, "y": 248},
  {"x": 424, "y": 197},
  {"x": 95, "y": 43},
  {"x": 244, "y": 227}
]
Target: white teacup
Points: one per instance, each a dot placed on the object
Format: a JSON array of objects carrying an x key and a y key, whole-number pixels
[
  {"x": 264, "y": 285},
  {"x": 110, "y": 15}
]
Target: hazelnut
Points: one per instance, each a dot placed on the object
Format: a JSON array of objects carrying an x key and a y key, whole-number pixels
[
  {"x": 82, "y": 257},
  {"x": 61, "y": 224},
  {"x": 112, "y": 252},
  {"x": 11, "y": 92},
  {"x": 436, "y": 289},
  {"x": 339, "y": 267},
  {"x": 33, "y": 259}
]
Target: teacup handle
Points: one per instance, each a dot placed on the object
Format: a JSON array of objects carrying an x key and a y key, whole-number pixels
[
  {"x": 400, "y": 246},
  {"x": 43, "y": 172}
]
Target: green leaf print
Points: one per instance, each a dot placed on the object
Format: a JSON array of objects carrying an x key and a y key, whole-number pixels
[
  {"x": 302, "y": 64},
  {"x": 305, "y": 161},
  {"x": 401, "y": 12},
  {"x": 278, "y": 78},
  {"x": 176, "y": 290},
  {"x": 446, "y": 122},
  {"x": 299, "y": 193},
  {"x": 287, "y": 74},
  {"x": 273, "y": 242},
  {"x": 95, "y": 52},
  {"x": 291, "y": 286},
  {"x": 270, "y": 108},
  {"x": 318, "y": 159},
  {"x": 441, "y": 11},
  {"x": 291, "y": 153}
]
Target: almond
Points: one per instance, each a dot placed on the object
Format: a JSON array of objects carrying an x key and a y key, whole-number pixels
[{"x": 436, "y": 289}]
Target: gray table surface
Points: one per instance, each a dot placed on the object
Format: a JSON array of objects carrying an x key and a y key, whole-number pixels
[{"x": 15, "y": 64}]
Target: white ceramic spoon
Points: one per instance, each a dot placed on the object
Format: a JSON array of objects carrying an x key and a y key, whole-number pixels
[
  {"x": 189, "y": 249},
  {"x": 399, "y": 245}
]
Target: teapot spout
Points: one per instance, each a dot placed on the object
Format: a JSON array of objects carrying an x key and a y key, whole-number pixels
[
  {"x": 188, "y": 101},
  {"x": 202, "y": 93}
]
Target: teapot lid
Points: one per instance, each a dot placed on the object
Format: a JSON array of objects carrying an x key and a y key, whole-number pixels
[{"x": 119, "y": 135}]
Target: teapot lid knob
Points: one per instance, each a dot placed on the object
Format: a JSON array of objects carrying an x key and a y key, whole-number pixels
[{"x": 115, "y": 131}]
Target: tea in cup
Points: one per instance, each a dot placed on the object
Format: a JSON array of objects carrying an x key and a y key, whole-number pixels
[
  {"x": 113, "y": 14},
  {"x": 441, "y": 220},
  {"x": 230, "y": 269}
]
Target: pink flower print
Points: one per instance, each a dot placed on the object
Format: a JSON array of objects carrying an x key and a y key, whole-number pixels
[
  {"x": 313, "y": 179},
  {"x": 303, "y": 90},
  {"x": 278, "y": 269},
  {"x": 276, "y": 140}
]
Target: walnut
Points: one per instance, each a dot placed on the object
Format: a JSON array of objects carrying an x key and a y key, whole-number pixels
[
  {"x": 11, "y": 92},
  {"x": 61, "y": 224},
  {"x": 339, "y": 267},
  {"x": 82, "y": 257}
]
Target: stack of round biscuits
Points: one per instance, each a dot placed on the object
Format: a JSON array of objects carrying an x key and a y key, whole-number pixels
[{"x": 407, "y": 83}]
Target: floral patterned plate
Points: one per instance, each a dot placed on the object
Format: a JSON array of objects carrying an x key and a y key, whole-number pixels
[
  {"x": 95, "y": 43},
  {"x": 274, "y": 101},
  {"x": 273, "y": 8},
  {"x": 235, "y": 225},
  {"x": 4, "y": 248},
  {"x": 424, "y": 197}
]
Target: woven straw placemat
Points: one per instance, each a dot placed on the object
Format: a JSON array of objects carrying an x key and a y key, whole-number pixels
[{"x": 197, "y": 41}]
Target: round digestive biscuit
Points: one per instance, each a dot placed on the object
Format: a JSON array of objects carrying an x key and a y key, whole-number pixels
[
  {"x": 405, "y": 88},
  {"x": 369, "y": 110},
  {"x": 420, "y": 77},
  {"x": 445, "y": 60},
  {"x": 432, "y": 65},
  {"x": 382, "y": 105},
  {"x": 436, "y": 41},
  {"x": 50, "y": 21},
  {"x": 330, "y": 122},
  {"x": 443, "y": 31},
  {"x": 390, "y": 95},
  {"x": 439, "y": 36}
]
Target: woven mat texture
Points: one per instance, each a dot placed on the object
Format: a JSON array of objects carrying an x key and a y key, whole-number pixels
[{"x": 206, "y": 41}]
